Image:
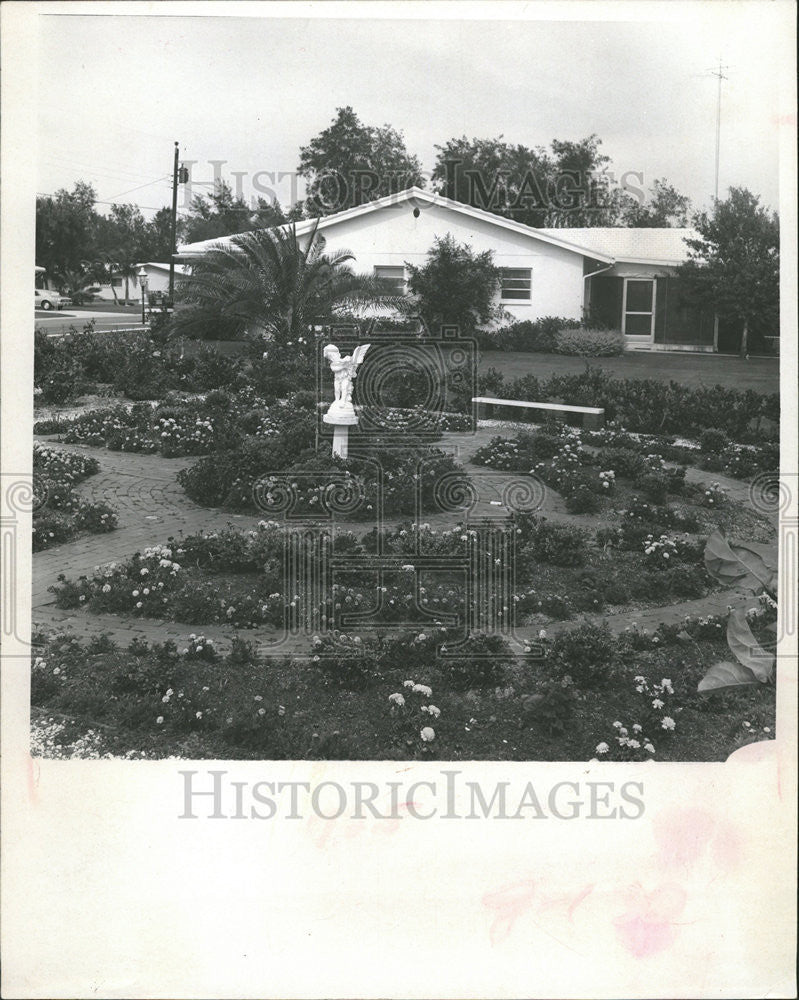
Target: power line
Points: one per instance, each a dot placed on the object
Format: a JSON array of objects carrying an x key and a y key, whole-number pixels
[{"x": 158, "y": 180}]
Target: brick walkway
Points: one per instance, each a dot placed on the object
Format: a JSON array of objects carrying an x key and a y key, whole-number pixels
[{"x": 151, "y": 507}]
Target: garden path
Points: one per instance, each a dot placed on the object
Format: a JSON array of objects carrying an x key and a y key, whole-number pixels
[{"x": 151, "y": 507}]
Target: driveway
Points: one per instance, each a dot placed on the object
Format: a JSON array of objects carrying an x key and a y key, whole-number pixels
[{"x": 760, "y": 374}]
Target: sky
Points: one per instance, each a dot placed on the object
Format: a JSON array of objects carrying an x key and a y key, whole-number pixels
[{"x": 115, "y": 91}]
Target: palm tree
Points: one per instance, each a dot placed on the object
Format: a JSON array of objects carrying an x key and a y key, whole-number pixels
[{"x": 276, "y": 286}]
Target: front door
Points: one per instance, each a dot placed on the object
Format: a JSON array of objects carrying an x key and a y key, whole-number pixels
[{"x": 638, "y": 310}]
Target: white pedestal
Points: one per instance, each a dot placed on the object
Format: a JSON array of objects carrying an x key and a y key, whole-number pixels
[
  {"x": 342, "y": 417},
  {"x": 341, "y": 440}
]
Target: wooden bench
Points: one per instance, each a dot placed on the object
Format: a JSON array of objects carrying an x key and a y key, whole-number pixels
[{"x": 593, "y": 416}]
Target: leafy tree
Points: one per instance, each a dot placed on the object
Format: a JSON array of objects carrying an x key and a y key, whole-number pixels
[
  {"x": 455, "y": 286},
  {"x": 733, "y": 265},
  {"x": 66, "y": 228},
  {"x": 665, "y": 208},
  {"x": 122, "y": 243},
  {"x": 276, "y": 285},
  {"x": 220, "y": 214},
  {"x": 158, "y": 237},
  {"x": 566, "y": 186},
  {"x": 350, "y": 163}
]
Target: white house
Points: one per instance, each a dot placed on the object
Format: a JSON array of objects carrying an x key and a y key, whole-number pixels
[
  {"x": 157, "y": 282},
  {"x": 624, "y": 277}
]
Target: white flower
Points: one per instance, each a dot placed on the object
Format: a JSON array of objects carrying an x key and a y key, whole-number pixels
[
  {"x": 649, "y": 748},
  {"x": 542, "y": 634},
  {"x": 106, "y": 588},
  {"x": 667, "y": 722},
  {"x": 434, "y": 711},
  {"x": 657, "y": 703},
  {"x": 428, "y": 734},
  {"x": 144, "y": 571},
  {"x": 159, "y": 720},
  {"x": 617, "y": 725},
  {"x": 408, "y": 684},
  {"x": 396, "y": 699},
  {"x": 198, "y": 715},
  {"x": 602, "y": 748},
  {"x": 135, "y": 593},
  {"x": 633, "y": 744},
  {"x": 423, "y": 689}
]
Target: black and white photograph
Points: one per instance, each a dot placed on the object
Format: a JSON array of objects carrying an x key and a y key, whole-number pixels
[{"x": 402, "y": 386}]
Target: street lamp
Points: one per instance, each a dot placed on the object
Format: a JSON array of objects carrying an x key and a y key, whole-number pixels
[{"x": 143, "y": 285}]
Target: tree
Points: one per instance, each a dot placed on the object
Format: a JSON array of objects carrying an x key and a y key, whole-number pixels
[
  {"x": 66, "y": 228},
  {"x": 566, "y": 186},
  {"x": 158, "y": 237},
  {"x": 665, "y": 207},
  {"x": 350, "y": 163},
  {"x": 455, "y": 286},
  {"x": 276, "y": 285},
  {"x": 733, "y": 265},
  {"x": 122, "y": 243}
]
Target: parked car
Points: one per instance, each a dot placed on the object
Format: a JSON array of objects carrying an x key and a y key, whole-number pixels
[{"x": 47, "y": 299}]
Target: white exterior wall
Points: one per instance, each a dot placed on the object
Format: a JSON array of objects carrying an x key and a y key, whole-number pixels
[{"x": 392, "y": 235}]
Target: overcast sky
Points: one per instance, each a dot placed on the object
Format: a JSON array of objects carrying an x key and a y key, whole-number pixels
[{"x": 115, "y": 91}]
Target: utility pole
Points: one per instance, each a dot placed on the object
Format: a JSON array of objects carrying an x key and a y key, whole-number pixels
[
  {"x": 173, "y": 230},
  {"x": 720, "y": 74}
]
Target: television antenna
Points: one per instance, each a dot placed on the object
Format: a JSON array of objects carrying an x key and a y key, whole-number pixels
[{"x": 720, "y": 75}]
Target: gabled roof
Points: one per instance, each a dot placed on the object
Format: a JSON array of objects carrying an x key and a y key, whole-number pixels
[
  {"x": 636, "y": 246},
  {"x": 417, "y": 196}
]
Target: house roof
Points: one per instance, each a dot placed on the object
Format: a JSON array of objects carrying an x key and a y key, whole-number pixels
[
  {"x": 638, "y": 246},
  {"x": 416, "y": 196},
  {"x": 607, "y": 244},
  {"x": 161, "y": 267}
]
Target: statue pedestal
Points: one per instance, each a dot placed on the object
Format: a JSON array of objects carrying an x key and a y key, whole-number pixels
[{"x": 342, "y": 416}]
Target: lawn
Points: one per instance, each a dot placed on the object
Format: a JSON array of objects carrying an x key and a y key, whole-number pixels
[{"x": 690, "y": 369}]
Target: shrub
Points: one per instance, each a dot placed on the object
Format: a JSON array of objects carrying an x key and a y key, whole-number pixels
[
  {"x": 713, "y": 441},
  {"x": 525, "y": 335},
  {"x": 346, "y": 661},
  {"x": 654, "y": 485},
  {"x": 585, "y": 654},
  {"x": 561, "y": 544},
  {"x": 686, "y": 581},
  {"x": 479, "y": 661},
  {"x": 582, "y": 500},
  {"x": 590, "y": 343},
  {"x": 95, "y": 517},
  {"x": 51, "y": 528},
  {"x": 623, "y": 461}
]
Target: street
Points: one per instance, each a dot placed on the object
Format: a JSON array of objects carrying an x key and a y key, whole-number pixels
[{"x": 61, "y": 321}]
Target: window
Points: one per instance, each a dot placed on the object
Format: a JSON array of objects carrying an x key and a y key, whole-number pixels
[
  {"x": 116, "y": 282},
  {"x": 515, "y": 284},
  {"x": 639, "y": 307},
  {"x": 392, "y": 278}
]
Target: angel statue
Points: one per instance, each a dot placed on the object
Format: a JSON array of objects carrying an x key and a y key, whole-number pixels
[{"x": 344, "y": 372}]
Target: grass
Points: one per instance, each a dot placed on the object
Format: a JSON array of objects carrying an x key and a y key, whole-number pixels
[{"x": 759, "y": 374}]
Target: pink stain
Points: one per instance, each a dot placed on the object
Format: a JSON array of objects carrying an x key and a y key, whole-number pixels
[
  {"x": 509, "y": 904},
  {"x": 650, "y": 926},
  {"x": 685, "y": 835}
]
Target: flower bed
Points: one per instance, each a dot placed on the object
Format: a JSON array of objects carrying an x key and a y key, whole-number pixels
[
  {"x": 58, "y": 514},
  {"x": 585, "y": 694}
]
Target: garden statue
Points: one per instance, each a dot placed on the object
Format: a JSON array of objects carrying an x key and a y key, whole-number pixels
[{"x": 341, "y": 413}]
